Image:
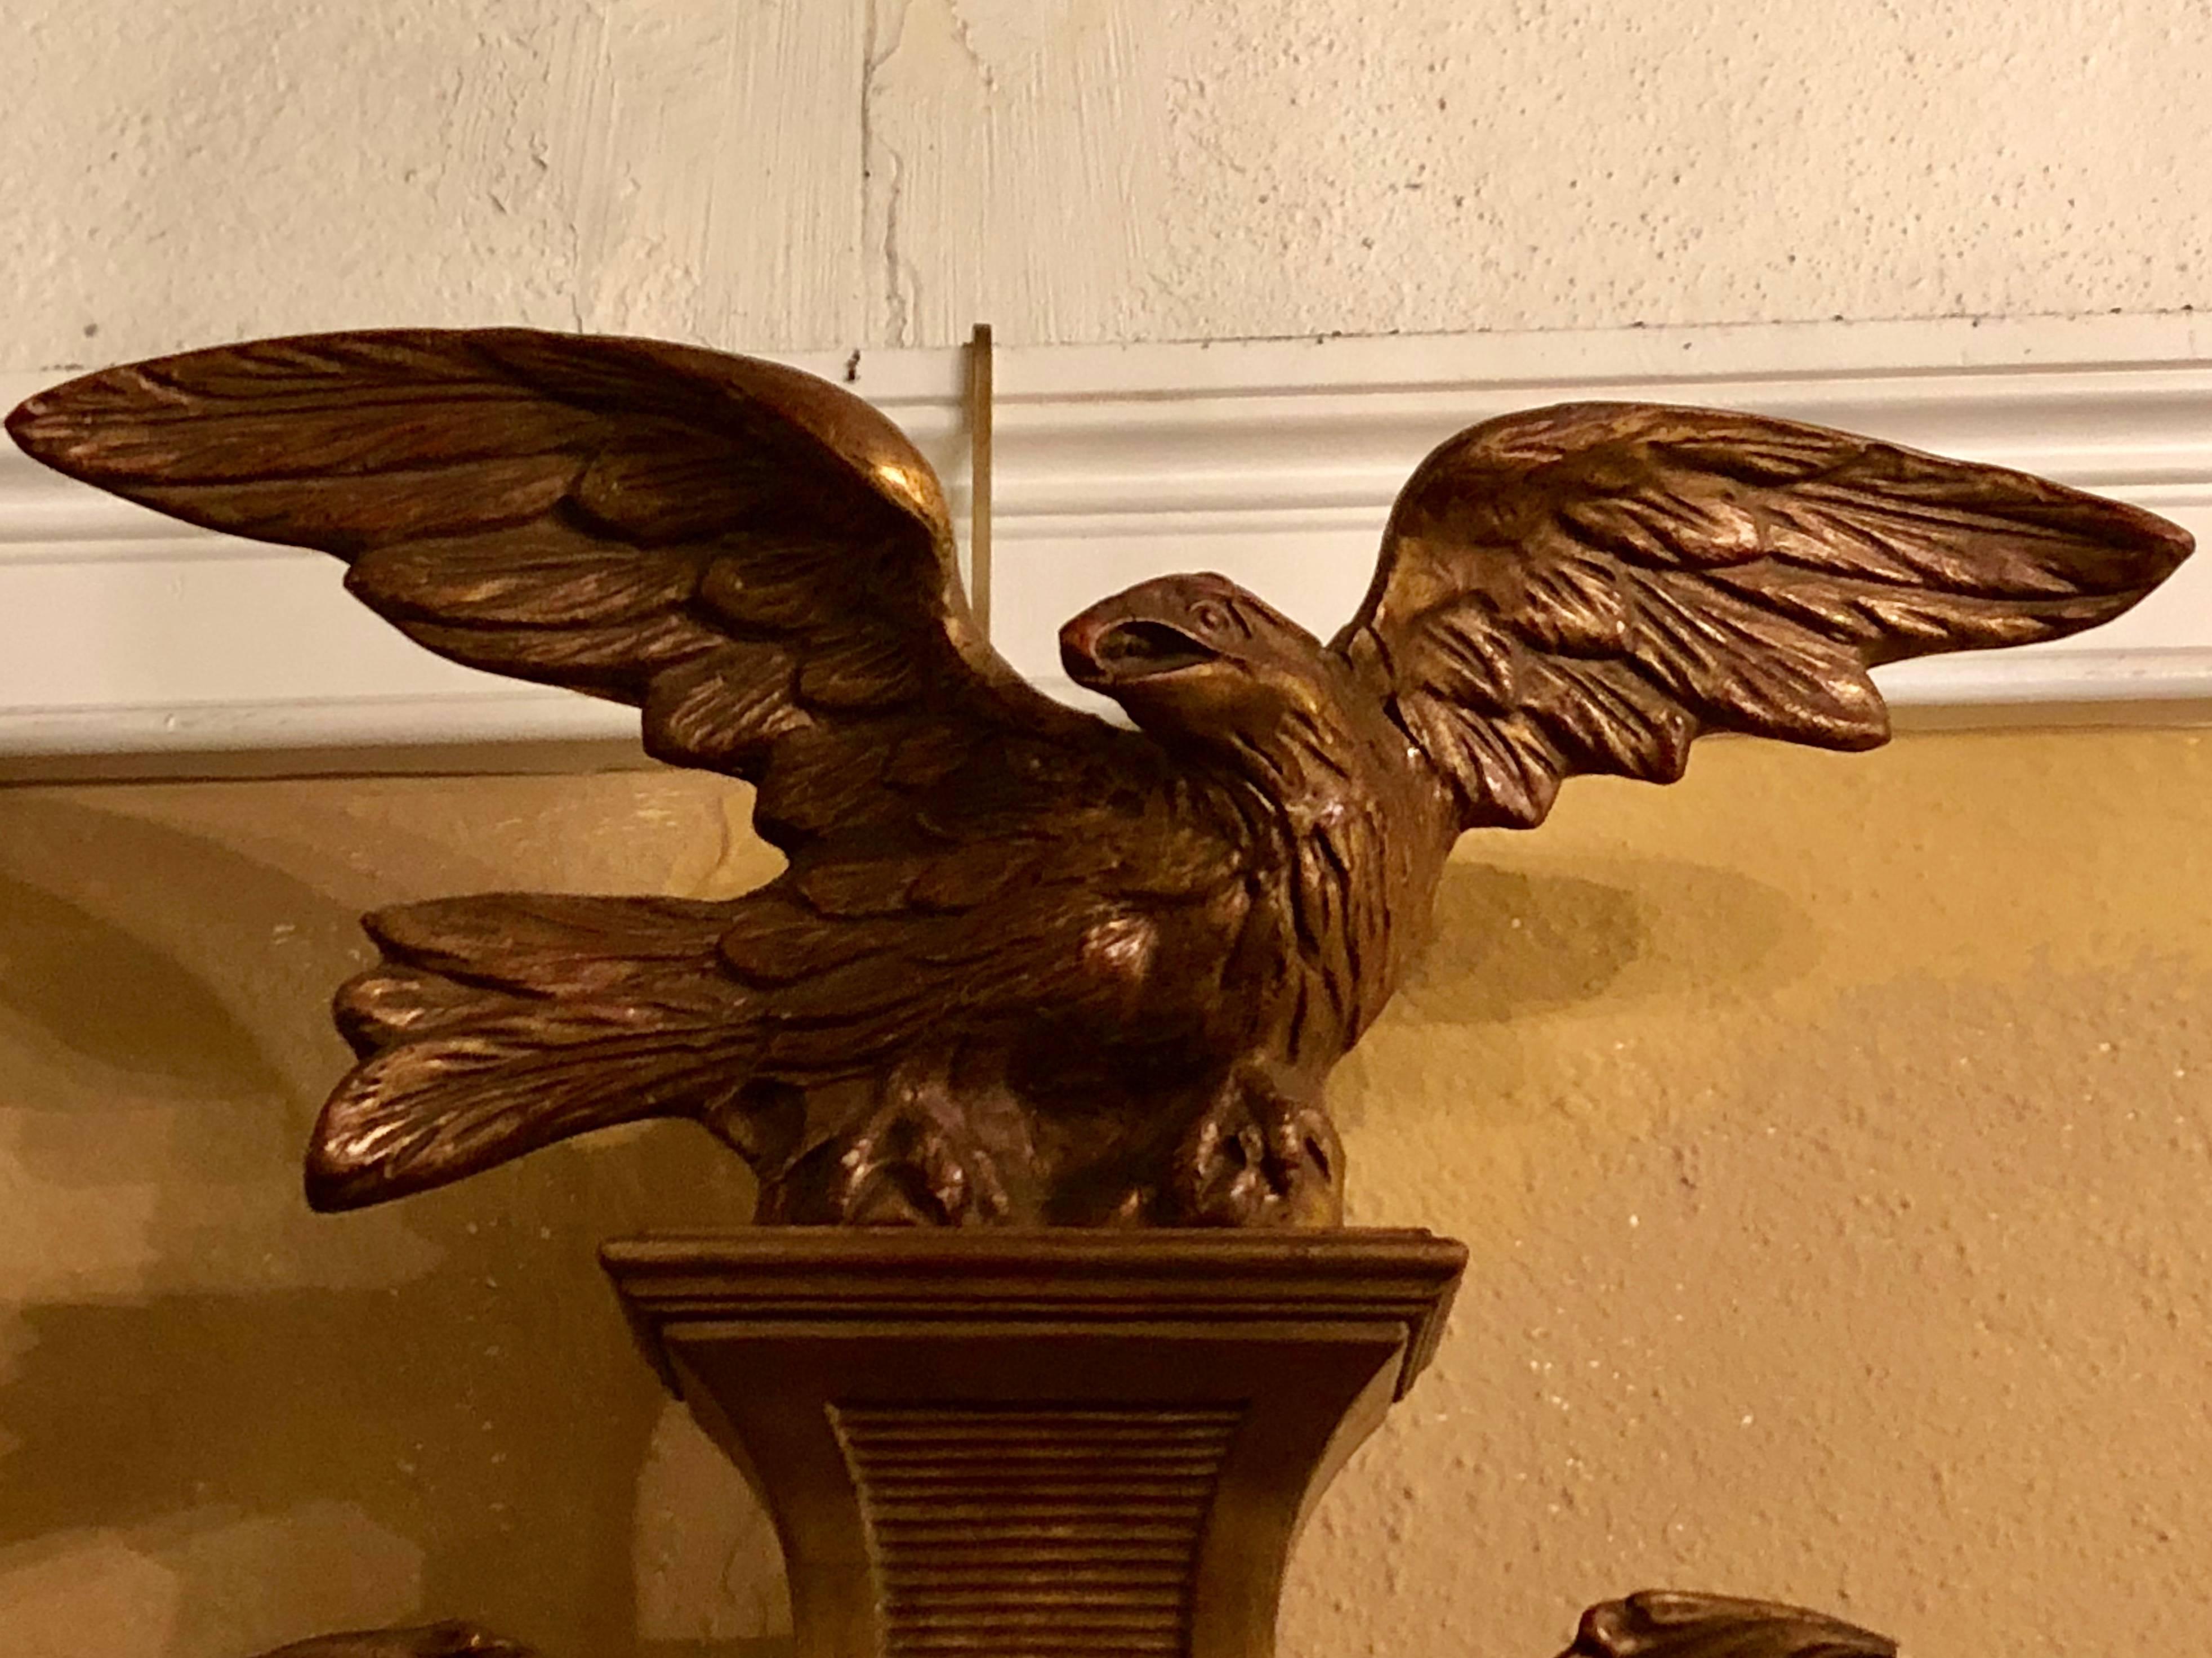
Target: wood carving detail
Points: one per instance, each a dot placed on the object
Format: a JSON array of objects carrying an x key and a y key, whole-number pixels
[
  {"x": 1058, "y": 1531},
  {"x": 1060, "y": 1442},
  {"x": 1672, "y": 1624},
  {"x": 1025, "y": 966},
  {"x": 445, "y": 1640}
]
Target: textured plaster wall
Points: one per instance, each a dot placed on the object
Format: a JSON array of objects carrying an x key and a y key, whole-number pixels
[
  {"x": 1832, "y": 1137},
  {"x": 780, "y": 174},
  {"x": 1829, "y": 1134}
]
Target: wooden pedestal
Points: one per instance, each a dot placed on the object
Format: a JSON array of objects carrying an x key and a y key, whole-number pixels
[{"x": 1037, "y": 1444}]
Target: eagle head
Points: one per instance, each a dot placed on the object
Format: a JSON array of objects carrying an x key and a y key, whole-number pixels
[{"x": 1197, "y": 660}]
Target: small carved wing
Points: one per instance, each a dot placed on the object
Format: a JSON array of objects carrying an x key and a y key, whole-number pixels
[
  {"x": 1588, "y": 588},
  {"x": 760, "y": 560},
  {"x": 1672, "y": 1624},
  {"x": 451, "y": 1640}
]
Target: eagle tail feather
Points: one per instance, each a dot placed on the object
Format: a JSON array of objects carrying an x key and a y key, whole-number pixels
[{"x": 500, "y": 1023}]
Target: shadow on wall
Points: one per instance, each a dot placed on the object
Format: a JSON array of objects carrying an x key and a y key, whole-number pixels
[
  {"x": 452, "y": 1368},
  {"x": 1490, "y": 1020},
  {"x": 101, "y": 994},
  {"x": 1508, "y": 944}
]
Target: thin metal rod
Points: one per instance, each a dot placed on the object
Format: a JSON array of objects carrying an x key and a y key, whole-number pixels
[{"x": 979, "y": 476}]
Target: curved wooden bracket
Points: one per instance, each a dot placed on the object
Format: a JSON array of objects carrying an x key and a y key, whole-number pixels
[{"x": 1047, "y": 1443}]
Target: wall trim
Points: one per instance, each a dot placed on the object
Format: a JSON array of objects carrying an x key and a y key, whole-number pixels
[{"x": 133, "y": 645}]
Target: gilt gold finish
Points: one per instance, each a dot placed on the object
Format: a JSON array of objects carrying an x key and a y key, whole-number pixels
[
  {"x": 1026, "y": 967},
  {"x": 1075, "y": 1443},
  {"x": 1678, "y": 1624}
]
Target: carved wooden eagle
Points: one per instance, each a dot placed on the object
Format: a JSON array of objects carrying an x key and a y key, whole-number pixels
[{"x": 1026, "y": 965}]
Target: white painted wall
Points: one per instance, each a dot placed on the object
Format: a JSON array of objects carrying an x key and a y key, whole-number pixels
[{"x": 788, "y": 174}]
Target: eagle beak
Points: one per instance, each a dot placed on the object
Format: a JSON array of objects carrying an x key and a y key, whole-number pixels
[{"x": 1101, "y": 650}]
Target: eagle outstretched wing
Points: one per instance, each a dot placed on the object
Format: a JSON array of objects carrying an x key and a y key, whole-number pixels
[
  {"x": 758, "y": 560},
  {"x": 1588, "y": 587},
  {"x": 763, "y": 565}
]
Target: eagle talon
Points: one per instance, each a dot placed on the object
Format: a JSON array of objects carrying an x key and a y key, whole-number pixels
[
  {"x": 1259, "y": 1155},
  {"x": 915, "y": 1161}
]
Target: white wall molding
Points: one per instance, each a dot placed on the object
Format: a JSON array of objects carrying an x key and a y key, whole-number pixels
[{"x": 131, "y": 645}]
